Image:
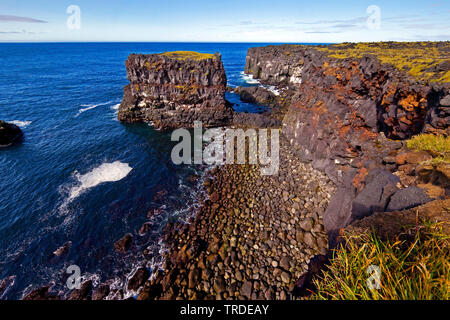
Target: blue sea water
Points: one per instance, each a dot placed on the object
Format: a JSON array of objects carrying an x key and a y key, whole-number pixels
[{"x": 80, "y": 175}]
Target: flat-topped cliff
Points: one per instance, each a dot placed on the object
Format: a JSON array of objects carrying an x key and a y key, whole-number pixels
[{"x": 175, "y": 89}]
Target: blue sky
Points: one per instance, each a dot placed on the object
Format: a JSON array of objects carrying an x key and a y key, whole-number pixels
[{"x": 227, "y": 21}]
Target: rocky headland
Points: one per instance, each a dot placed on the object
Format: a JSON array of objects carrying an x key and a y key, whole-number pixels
[
  {"x": 9, "y": 134},
  {"x": 350, "y": 115}
]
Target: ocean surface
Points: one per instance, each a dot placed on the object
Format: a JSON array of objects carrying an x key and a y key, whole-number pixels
[{"x": 80, "y": 175}]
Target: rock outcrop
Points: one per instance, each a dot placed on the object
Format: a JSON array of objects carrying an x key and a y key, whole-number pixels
[
  {"x": 349, "y": 117},
  {"x": 9, "y": 134},
  {"x": 175, "y": 89}
]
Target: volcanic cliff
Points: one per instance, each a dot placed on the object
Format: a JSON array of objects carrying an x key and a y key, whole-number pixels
[
  {"x": 175, "y": 89},
  {"x": 351, "y": 108}
]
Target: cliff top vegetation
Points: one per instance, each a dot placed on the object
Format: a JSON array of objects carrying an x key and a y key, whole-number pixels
[
  {"x": 191, "y": 55},
  {"x": 426, "y": 61}
]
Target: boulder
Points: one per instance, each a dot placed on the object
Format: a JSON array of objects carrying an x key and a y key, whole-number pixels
[
  {"x": 9, "y": 134},
  {"x": 124, "y": 244},
  {"x": 138, "y": 279},
  {"x": 375, "y": 196},
  {"x": 408, "y": 198}
]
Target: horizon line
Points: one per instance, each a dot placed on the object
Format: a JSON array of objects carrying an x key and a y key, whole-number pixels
[{"x": 236, "y": 42}]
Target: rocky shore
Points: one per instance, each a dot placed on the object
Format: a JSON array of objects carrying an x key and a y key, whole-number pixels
[{"x": 253, "y": 237}]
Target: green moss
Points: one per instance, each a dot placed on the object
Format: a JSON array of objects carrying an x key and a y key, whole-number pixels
[
  {"x": 437, "y": 145},
  {"x": 191, "y": 55}
]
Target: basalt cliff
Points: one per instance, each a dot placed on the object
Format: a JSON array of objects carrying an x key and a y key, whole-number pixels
[
  {"x": 175, "y": 89},
  {"x": 351, "y": 109}
]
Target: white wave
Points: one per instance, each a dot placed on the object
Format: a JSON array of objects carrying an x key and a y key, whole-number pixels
[
  {"x": 249, "y": 78},
  {"x": 272, "y": 89},
  {"x": 107, "y": 172},
  {"x": 115, "y": 107},
  {"x": 88, "y": 107},
  {"x": 22, "y": 124}
]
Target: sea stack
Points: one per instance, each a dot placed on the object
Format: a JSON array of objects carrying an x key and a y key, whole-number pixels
[
  {"x": 9, "y": 134},
  {"x": 174, "y": 89}
]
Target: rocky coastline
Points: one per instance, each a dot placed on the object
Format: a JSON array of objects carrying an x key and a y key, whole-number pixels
[{"x": 345, "y": 164}]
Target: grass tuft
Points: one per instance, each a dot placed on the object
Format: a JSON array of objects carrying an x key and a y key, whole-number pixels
[
  {"x": 437, "y": 145},
  {"x": 413, "y": 269}
]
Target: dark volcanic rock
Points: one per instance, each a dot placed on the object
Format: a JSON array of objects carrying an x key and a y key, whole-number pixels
[
  {"x": 408, "y": 198},
  {"x": 9, "y": 134},
  {"x": 255, "y": 120},
  {"x": 83, "y": 293},
  {"x": 41, "y": 294},
  {"x": 175, "y": 89},
  {"x": 375, "y": 196},
  {"x": 344, "y": 119},
  {"x": 138, "y": 279},
  {"x": 101, "y": 292},
  {"x": 256, "y": 95},
  {"x": 124, "y": 244}
]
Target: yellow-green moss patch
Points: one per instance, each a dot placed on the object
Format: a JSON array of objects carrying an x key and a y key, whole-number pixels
[
  {"x": 191, "y": 55},
  {"x": 423, "y": 60},
  {"x": 437, "y": 145}
]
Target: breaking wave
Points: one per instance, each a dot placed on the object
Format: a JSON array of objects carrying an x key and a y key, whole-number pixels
[
  {"x": 22, "y": 124},
  {"x": 87, "y": 107},
  {"x": 107, "y": 172}
]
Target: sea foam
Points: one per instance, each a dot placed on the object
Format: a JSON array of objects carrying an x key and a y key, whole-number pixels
[
  {"x": 87, "y": 107},
  {"x": 107, "y": 172},
  {"x": 22, "y": 124},
  {"x": 249, "y": 78}
]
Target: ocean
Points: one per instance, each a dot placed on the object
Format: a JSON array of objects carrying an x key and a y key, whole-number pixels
[{"x": 80, "y": 175}]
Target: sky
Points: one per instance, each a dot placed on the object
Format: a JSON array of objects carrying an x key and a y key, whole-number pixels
[{"x": 316, "y": 21}]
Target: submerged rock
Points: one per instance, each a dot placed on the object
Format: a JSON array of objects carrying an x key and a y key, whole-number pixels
[
  {"x": 124, "y": 244},
  {"x": 138, "y": 279},
  {"x": 9, "y": 134}
]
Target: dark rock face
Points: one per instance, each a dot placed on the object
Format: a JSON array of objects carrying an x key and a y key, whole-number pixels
[
  {"x": 348, "y": 118},
  {"x": 41, "y": 294},
  {"x": 84, "y": 293},
  {"x": 138, "y": 279},
  {"x": 256, "y": 95},
  {"x": 408, "y": 198},
  {"x": 101, "y": 292},
  {"x": 124, "y": 244},
  {"x": 9, "y": 134},
  {"x": 172, "y": 91}
]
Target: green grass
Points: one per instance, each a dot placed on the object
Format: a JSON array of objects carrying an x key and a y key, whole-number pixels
[
  {"x": 191, "y": 55},
  {"x": 415, "y": 269},
  {"x": 437, "y": 145}
]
